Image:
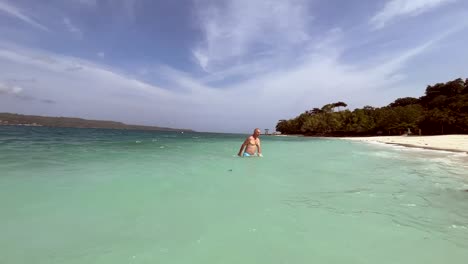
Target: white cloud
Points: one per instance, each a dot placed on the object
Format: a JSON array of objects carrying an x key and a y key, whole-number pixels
[
  {"x": 93, "y": 91},
  {"x": 201, "y": 58},
  {"x": 398, "y": 8},
  {"x": 101, "y": 54},
  {"x": 235, "y": 29},
  {"x": 13, "y": 11},
  {"x": 72, "y": 28},
  {"x": 9, "y": 89}
]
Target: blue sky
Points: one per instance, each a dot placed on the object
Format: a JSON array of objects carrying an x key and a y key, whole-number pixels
[{"x": 222, "y": 66}]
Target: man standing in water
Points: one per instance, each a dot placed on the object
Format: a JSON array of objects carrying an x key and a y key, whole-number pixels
[{"x": 251, "y": 145}]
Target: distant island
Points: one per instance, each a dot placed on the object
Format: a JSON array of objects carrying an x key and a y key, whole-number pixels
[{"x": 11, "y": 119}]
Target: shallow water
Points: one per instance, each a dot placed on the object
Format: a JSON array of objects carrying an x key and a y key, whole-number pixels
[{"x": 109, "y": 196}]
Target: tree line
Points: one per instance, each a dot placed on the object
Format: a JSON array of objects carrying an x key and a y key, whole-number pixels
[{"x": 443, "y": 109}]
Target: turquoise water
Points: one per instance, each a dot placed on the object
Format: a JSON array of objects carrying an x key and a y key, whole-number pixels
[{"x": 109, "y": 196}]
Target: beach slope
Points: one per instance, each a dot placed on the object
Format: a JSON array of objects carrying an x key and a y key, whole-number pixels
[{"x": 455, "y": 143}]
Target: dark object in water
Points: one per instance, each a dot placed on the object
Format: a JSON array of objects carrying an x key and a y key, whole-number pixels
[
  {"x": 231, "y": 170},
  {"x": 465, "y": 190}
]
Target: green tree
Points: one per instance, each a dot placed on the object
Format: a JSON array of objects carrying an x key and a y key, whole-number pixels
[
  {"x": 442, "y": 109},
  {"x": 404, "y": 101}
]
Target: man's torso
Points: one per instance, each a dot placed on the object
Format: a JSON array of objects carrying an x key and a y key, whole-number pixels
[{"x": 252, "y": 145}]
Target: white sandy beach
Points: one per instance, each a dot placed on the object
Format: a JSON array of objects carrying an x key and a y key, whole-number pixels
[{"x": 457, "y": 143}]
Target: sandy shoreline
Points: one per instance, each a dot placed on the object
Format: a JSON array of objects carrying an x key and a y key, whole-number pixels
[{"x": 454, "y": 143}]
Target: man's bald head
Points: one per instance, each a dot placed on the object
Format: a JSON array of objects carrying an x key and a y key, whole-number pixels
[{"x": 256, "y": 132}]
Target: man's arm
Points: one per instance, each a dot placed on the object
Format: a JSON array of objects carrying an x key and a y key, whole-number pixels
[
  {"x": 242, "y": 148},
  {"x": 259, "y": 149}
]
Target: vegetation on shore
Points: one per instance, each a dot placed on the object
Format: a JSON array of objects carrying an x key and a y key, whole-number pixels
[
  {"x": 31, "y": 120},
  {"x": 442, "y": 110}
]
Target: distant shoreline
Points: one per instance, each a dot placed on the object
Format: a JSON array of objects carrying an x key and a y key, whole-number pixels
[
  {"x": 451, "y": 143},
  {"x": 283, "y": 135},
  {"x": 10, "y": 119},
  {"x": 110, "y": 128}
]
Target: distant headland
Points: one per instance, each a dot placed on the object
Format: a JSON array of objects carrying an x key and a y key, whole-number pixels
[
  {"x": 443, "y": 109},
  {"x": 11, "y": 119}
]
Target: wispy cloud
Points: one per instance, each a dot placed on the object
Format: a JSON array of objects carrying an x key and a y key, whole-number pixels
[
  {"x": 16, "y": 92},
  {"x": 237, "y": 28},
  {"x": 61, "y": 82},
  {"x": 48, "y": 101},
  {"x": 101, "y": 54},
  {"x": 201, "y": 58},
  {"x": 74, "y": 68},
  {"x": 399, "y": 8},
  {"x": 14, "y": 11},
  {"x": 72, "y": 28},
  {"x": 9, "y": 89},
  {"x": 20, "y": 80}
]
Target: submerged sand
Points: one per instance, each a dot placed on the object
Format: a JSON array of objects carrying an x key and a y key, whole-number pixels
[{"x": 455, "y": 143}]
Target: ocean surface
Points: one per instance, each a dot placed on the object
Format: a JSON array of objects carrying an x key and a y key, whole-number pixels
[{"x": 113, "y": 196}]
